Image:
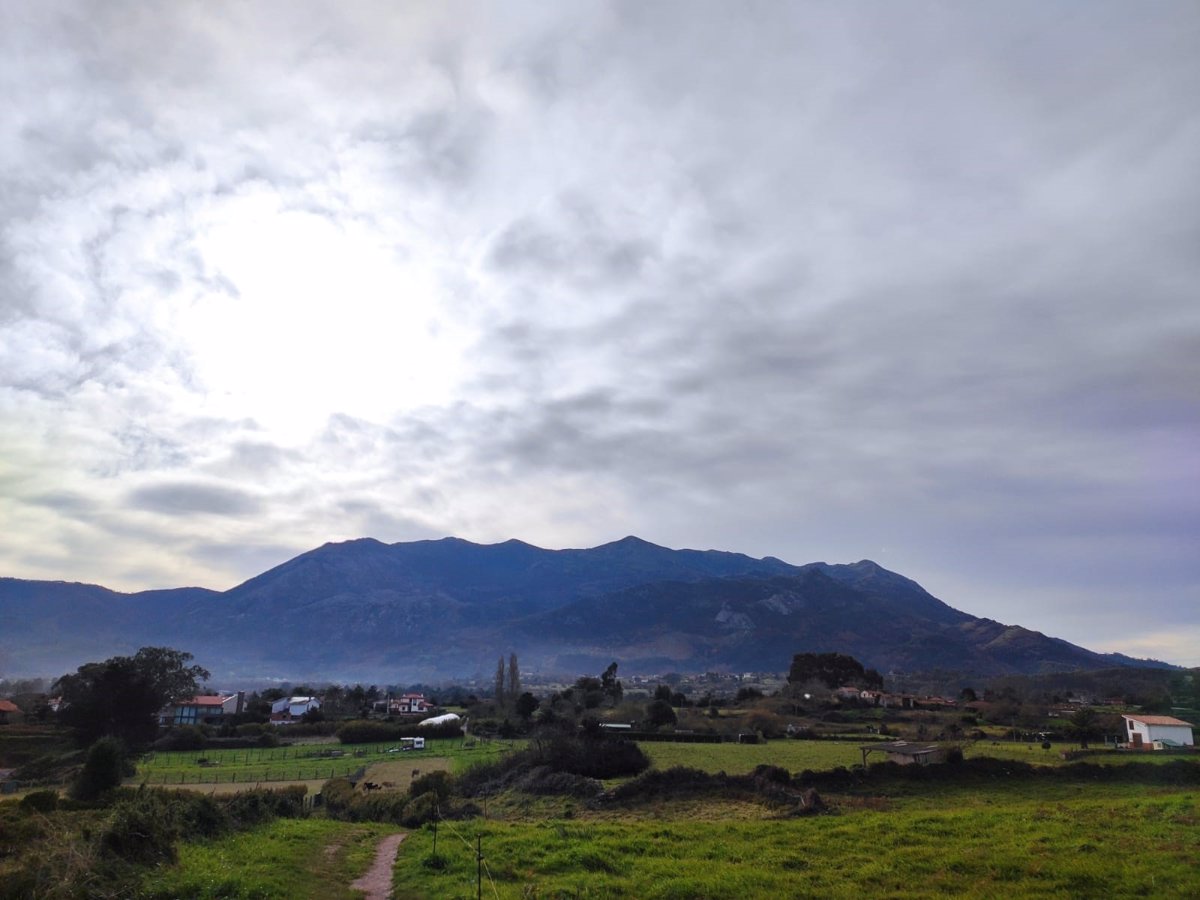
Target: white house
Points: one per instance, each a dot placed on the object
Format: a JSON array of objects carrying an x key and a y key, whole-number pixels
[
  {"x": 291, "y": 709},
  {"x": 1157, "y": 732}
]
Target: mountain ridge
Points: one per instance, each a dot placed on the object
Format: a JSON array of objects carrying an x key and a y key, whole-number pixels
[{"x": 447, "y": 607}]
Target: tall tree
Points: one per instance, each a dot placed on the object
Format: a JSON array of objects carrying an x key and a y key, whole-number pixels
[
  {"x": 609, "y": 684},
  {"x": 514, "y": 677},
  {"x": 500, "y": 681},
  {"x": 122, "y": 695}
]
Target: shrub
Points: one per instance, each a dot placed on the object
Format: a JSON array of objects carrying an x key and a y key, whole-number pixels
[
  {"x": 419, "y": 810},
  {"x": 200, "y": 816},
  {"x": 40, "y": 801},
  {"x": 185, "y": 737},
  {"x": 102, "y": 770},
  {"x": 436, "y": 783},
  {"x": 141, "y": 829}
]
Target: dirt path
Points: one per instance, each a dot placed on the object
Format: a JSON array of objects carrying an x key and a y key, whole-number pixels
[{"x": 378, "y": 881}]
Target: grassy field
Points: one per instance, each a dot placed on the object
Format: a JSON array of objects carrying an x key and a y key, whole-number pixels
[
  {"x": 305, "y": 859},
  {"x": 302, "y": 762},
  {"x": 983, "y": 836},
  {"x": 796, "y": 756},
  {"x": 737, "y": 759},
  {"x": 1066, "y": 842}
]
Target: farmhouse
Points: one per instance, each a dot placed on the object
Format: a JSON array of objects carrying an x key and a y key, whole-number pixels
[{"x": 1157, "y": 732}]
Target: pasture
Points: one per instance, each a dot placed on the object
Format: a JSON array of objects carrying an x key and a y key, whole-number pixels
[
  {"x": 1068, "y": 841},
  {"x": 300, "y": 762},
  {"x": 304, "y": 859}
]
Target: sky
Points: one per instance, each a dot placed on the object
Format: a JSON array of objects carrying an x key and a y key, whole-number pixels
[{"x": 911, "y": 282}]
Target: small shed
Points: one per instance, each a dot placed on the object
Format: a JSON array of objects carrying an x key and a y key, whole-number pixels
[
  {"x": 1157, "y": 732},
  {"x": 905, "y": 753}
]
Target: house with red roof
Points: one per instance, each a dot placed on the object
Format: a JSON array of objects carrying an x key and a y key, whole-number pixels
[
  {"x": 203, "y": 709},
  {"x": 8, "y": 711},
  {"x": 1157, "y": 732}
]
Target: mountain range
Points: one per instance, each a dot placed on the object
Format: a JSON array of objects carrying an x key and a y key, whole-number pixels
[{"x": 448, "y": 608}]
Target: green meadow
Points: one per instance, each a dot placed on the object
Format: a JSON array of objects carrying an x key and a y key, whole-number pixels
[
  {"x": 1063, "y": 841},
  {"x": 983, "y": 834},
  {"x": 302, "y": 762},
  {"x": 300, "y": 859}
]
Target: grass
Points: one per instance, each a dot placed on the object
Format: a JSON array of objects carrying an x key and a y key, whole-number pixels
[
  {"x": 737, "y": 759},
  {"x": 796, "y": 755},
  {"x": 301, "y": 762},
  {"x": 306, "y": 859},
  {"x": 976, "y": 843}
]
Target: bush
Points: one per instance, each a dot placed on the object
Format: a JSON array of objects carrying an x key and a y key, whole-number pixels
[
  {"x": 141, "y": 829},
  {"x": 102, "y": 770},
  {"x": 371, "y": 732},
  {"x": 436, "y": 783},
  {"x": 200, "y": 816},
  {"x": 419, "y": 810},
  {"x": 185, "y": 737},
  {"x": 40, "y": 801}
]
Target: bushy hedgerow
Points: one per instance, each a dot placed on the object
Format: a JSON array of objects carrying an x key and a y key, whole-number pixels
[
  {"x": 586, "y": 758},
  {"x": 183, "y": 737},
  {"x": 142, "y": 829},
  {"x": 428, "y": 799},
  {"x": 769, "y": 784},
  {"x": 368, "y": 731}
]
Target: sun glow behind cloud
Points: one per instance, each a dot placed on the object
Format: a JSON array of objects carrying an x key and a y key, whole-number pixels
[{"x": 317, "y": 315}]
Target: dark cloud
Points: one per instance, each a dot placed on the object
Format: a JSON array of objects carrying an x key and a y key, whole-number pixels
[{"x": 188, "y": 498}]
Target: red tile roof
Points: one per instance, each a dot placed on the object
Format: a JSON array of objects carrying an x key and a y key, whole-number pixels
[
  {"x": 1159, "y": 720},
  {"x": 205, "y": 700},
  {"x": 8, "y": 706}
]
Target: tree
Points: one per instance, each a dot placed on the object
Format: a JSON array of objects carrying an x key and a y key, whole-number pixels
[
  {"x": 659, "y": 713},
  {"x": 832, "y": 670},
  {"x": 122, "y": 696},
  {"x": 1083, "y": 725},
  {"x": 514, "y": 677},
  {"x": 527, "y": 705},
  {"x": 500, "y": 681},
  {"x": 610, "y": 686}
]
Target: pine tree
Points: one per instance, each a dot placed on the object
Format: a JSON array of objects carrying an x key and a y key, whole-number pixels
[{"x": 514, "y": 677}]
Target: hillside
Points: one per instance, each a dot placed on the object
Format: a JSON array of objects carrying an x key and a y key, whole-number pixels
[{"x": 447, "y": 608}]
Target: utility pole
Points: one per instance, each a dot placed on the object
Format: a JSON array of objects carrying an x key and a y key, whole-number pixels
[{"x": 478, "y": 867}]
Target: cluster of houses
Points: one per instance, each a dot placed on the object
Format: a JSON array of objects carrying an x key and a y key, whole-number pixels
[
  {"x": 213, "y": 709},
  {"x": 891, "y": 701}
]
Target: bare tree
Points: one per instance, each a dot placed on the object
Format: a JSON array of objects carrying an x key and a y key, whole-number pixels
[{"x": 500, "y": 681}]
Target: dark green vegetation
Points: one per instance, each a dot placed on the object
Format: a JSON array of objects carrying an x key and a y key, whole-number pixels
[
  {"x": 565, "y": 610},
  {"x": 121, "y": 696}
]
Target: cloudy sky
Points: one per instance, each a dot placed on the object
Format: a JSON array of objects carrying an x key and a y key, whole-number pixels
[{"x": 909, "y": 282}]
